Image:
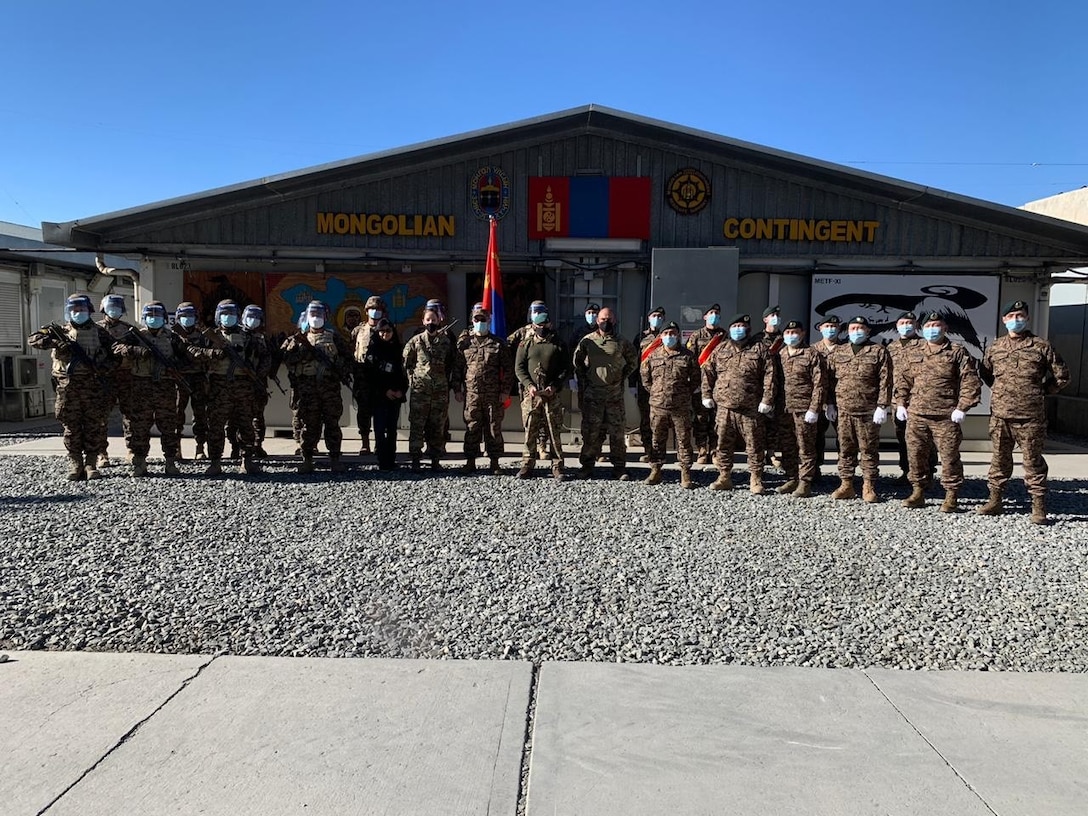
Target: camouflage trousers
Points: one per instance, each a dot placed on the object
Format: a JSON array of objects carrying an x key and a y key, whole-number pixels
[
  {"x": 81, "y": 407},
  {"x": 645, "y": 423},
  {"x": 703, "y": 423},
  {"x": 798, "y": 441},
  {"x": 427, "y": 412},
  {"x": 230, "y": 400},
  {"x": 259, "y": 427},
  {"x": 483, "y": 421},
  {"x": 734, "y": 425},
  {"x": 320, "y": 405},
  {"x": 119, "y": 393},
  {"x": 923, "y": 432},
  {"x": 603, "y": 415},
  {"x": 538, "y": 439},
  {"x": 154, "y": 402},
  {"x": 1029, "y": 434},
  {"x": 859, "y": 435},
  {"x": 662, "y": 421},
  {"x": 197, "y": 396}
]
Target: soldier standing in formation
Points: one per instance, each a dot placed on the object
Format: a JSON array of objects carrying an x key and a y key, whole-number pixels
[
  {"x": 590, "y": 325},
  {"x": 603, "y": 361},
  {"x": 253, "y": 325},
  {"x": 906, "y": 326},
  {"x": 862, "y": 374},
  {"x": 188, "y": 329},
  {"x": 738, "y": 382},
  {"x": 542, "y": 365},
  {"x": 804, "y": 379},
  {"x": 482, "y": 375},
  {"x": 321, "y": 362},
  {"x": 376, "y": 310},
  {"x": 773, "y": 423},
  {"x": 701, "y": 343},
  {"x": 643, "y": 340},
  {"x": 936, "y": 384},
  {"x": 670, "y": 373},
  {"x": 829, "y": 340},
  {"x": 1022, "y": 370},
  {"x": 428, "y": 362},
  {"x": 537, "y": 309},
  {"x": 81, "y": 352},
  {"x": 120, "y": 379}
]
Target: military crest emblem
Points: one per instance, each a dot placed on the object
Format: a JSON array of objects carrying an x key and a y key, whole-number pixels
[
  {"x": 489, "y": 192},
  {"x": 688, "y": 191}
]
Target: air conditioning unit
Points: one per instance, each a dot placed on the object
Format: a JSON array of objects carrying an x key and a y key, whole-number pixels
[{"x": 18, "y": 371}]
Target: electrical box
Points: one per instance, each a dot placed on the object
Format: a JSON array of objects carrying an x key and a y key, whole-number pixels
[
  {"x": 18, "y": 371},
  {"x": 687, "y": 281}
]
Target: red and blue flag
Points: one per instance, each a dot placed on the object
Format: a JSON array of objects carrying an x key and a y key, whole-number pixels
[
  {"x": 492, "y": 298},
  {"x": 589, "y": 207}
]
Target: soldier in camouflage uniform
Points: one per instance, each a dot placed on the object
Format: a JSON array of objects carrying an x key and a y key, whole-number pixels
[
  {"x": 775, "y": 424},
  {"x": 119, "y": 392},
  {"x": 156, "y": 354},
  {"x": 513, "y": 342},
  {"x": 829, "y": 340},
  {"x": 738, "y": 381},
  {"x": 237, "y": 367},
  {"x": 376, "y": 310},
  {"x": 936, "y": 384},
  {"x": 321, "y": 362},
  {"x": 643, "y": 340},
  {"x": 82, "y": 356},
  {"x": 428, "y": 362},
  {"x": 906, "y": 325},
  {"x": 1022, "y": 370},
  {"x": 542, "y": 366},
  {"x": 862, "y": 373},
  {"x": 703, "y": 419},
  {"x": 253, "y": 325},
  {"x": 670, "y": 373},
  {"x": 804, "y": 380},
  {"x": 482, "y": 373},
  {"x": 603, "y": 362},
  {"x": 188, "y": 329}
]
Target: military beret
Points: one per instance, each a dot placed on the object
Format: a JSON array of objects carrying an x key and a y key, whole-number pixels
[
  {"x": 671, "y": 327},
  {"x": 659, "y": 310},
  {"x": 831, "y": 319},
  {"x": 770, "y": 310},
  {"x": 713, "y": 307},
  {"x": 740, "y": 318},
  {"x": 907, "y": 316},
  {"x": 794, "y": 324},
  {"x": 928, "y": 316},
  {"x": 593, "y": 307},
  {"x": 1014, "y": 306},
  {"x": 860, "y": 320}
]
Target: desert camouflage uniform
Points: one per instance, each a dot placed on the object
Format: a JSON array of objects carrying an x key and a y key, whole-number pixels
[
  {"x": 642, "y": 395},
  {"x": 897, "y": 348},
  {"x": 738, "y": 377},
  {"x": 119, "y": 389},
  {"x": 320, "y": 361},
  {"x": 154, "y": 392},
  {"x": 197, "y": 380},
  {"x": 670, "y": 376},
  {"x": 603, "y": 363},
  {"x": 428, "y": 362},
  {"x": 483, "y": 369},
  {"x": 1021, "y": 371},
  {"x": 863, "y": 382},
  {"x": 703, "y": 420},
  {"x": 260, "y": 401},
  {"x": 232, "y": 388},
  {"x": 804, "y": 380},
  {"x": 823, "y": 423},
  {"x": 775, "y": 424},
  {"x": 542, "y": 361}
]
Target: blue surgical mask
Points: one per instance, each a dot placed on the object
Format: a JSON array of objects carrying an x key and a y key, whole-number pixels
[
  {"x": 932, "y": 333},
  {"x": 540, "y": 318},
  {"x": 373, "y": 314},
  {"x": 228, "y": 320},
  {"x": 792, "y": 340},
  {"x": 79, "y": 318},
  {"x": 738, "y": 333},
  {"x": 591, "y": 318},
  {"x": 154, "y": 322},
  {"x": 479, "y": 326},
  {"x": 670, "y": 340},
  {"x": 829, "y": 332},
  {"x": 114, "y": 312},
  {"x": 713, "y": 319},
  {"x": 905, "y": 330},
  {"x": 858, "y": 337},
  {"x": 251, "y": 322},
  {"x": 656, "y": 321},
  {"x": 774, "y": 321},
  {"x": 188, "y": 321},
  {"x": 1016, "y": 325}
]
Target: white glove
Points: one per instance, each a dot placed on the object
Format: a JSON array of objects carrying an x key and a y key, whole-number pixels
[
  {"x": 764, "y": 408},
  {"x": 957, "y": 416},
  {"x": 901, "y": 413},
  {"x": 880, "y": 416},
  {"x": 831, "y": 412},
  {"x": 708, "y": 403},
  {"x": 811, "y": 417}
]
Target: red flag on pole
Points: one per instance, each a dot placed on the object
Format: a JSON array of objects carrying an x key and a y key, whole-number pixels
[{"x": 492, "y": 299}]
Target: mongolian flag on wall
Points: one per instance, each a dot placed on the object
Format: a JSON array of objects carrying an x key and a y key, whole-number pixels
[
  {"x": 589, "y": 207},
  {"x": 492, "y": 298}
]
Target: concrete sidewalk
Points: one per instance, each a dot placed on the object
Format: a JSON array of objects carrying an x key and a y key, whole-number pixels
[{"x": 95, "y": 734}]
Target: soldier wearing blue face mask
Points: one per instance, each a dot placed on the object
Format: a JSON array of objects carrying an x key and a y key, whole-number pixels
[
  {"x": 771, "y": 337},
  {"x": 701, "y": 343},
  {"x": 670, "y": 372},
  {"x": 906, "y": 326},
  {"x": 1021, "y": 369},
  {"x": 804, "y": 378},
  {"x": 188, "y": 328},
  {"x": 829, "y": 340},
  {"x": 644, "y": 340},
  {"x": 119, "y": 392}
]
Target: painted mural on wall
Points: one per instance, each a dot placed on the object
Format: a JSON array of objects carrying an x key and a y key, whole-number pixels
[
  {"x": 206, "y": 289},
  {"x": 967, "y": 303}
]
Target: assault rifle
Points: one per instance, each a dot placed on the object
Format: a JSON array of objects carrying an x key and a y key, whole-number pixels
[
  {"x": 171, "y": 370},
  {"x": 79, "y": 355},
  {"x": 547, "y": 404},
  {"x": 322, "y": 361}
]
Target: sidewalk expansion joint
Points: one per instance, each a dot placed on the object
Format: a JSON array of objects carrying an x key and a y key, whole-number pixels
[
  {"x": 928, "y": 742},
  {"x": 527, "y": 746},
  {"x": 129, "y": 734}
]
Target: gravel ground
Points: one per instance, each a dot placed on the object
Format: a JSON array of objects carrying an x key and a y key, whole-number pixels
[{"x": 495, "y": 567}]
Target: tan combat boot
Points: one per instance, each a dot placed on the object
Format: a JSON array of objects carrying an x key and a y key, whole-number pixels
[
  {"x": 1038, "y": 510},
  {"x": 685, "y": 479},
  {"x": 76, "y": 473},
  {"x": 723, "y": 482},
  {"x": 993, "y": 506},
  {"x": 171, "y": 468},
  {"x": 527, "y": 468},
  {"x": 655, "y": 475},
  {"x": 139, "y": 466},
  {"x": 917, "y": 498},
  {"x": 868, "y": 491},
  {"x": 703, "y": 458},
  {"x": 755, "y": 484},
  {"x": 803, "y": 491},
  {"x": 788, "y": 487},
  {"x": 950, "y": 503},
  {"x": 103, "y": 461},
  {"x": 845, "y": 490},
  {"x": 557, "y": 473}
]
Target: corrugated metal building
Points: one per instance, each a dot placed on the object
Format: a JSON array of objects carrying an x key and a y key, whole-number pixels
[{"x": 593, "y": 205}]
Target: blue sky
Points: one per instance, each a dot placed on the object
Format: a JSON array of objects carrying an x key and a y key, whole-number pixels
[{"x": 113, "y": 105}]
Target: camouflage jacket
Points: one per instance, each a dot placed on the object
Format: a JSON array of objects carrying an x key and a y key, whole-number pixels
[
  {"x": 863, "y": 378},
  {"x": 603, "y": 363},
  {"x": 804, "y": 377},
  {"x": 934, "y": 380},
  {"x": 739, "y": 376},
  {"x": 71, "y": 366},
  {"x": 1021, "y": 371},
  {"x": 429, "y": 361},
  {"x": 697, "y": 340},
  {"x": 671, "y": 376},
  {"x": 482, "y": 365}
]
